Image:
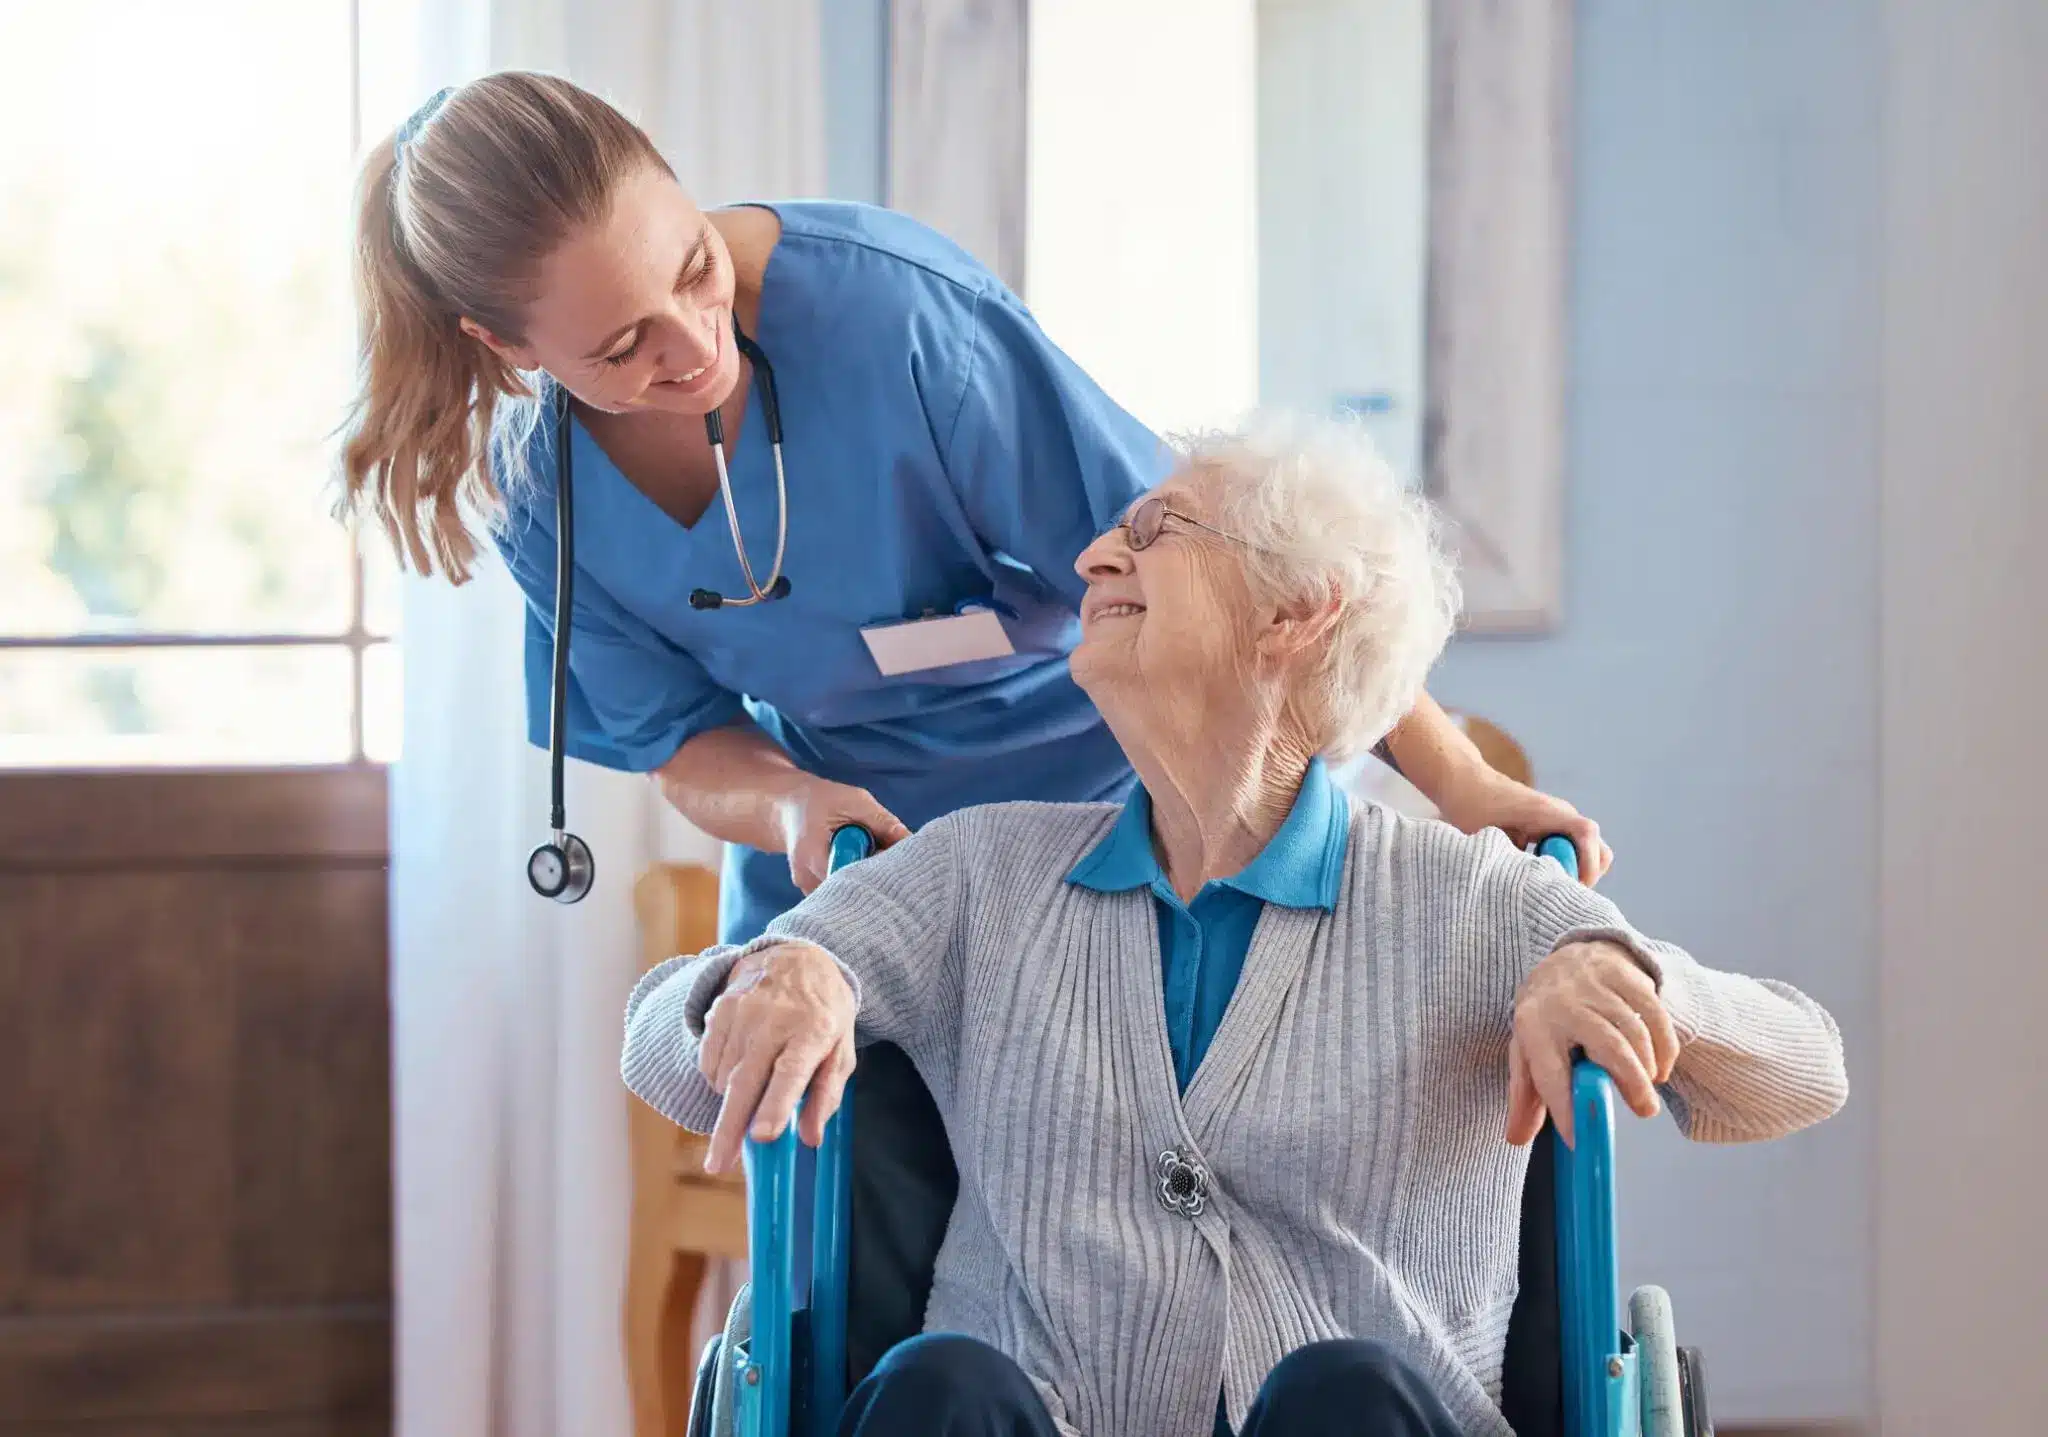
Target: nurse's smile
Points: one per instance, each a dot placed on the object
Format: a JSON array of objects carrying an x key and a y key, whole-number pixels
[{"x": 704, "y": 375}]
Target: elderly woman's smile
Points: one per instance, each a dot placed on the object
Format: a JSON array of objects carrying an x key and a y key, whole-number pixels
[{"x": 1104, "y": 606}]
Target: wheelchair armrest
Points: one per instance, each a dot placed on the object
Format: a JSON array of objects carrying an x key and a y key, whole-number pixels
[
  {"x": 1597, "y": 1373},
  {"x": 771, "y": 1252},
  {"x": 1596, "y": 1370},
  {"x": 771, "y": 1259},
  {"x": 772, "y": 1199}
]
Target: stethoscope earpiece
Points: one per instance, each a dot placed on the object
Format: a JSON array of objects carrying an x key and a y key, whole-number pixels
[
  {"x": 711, "y": 599},
  {"x": 563, "y": 869}
]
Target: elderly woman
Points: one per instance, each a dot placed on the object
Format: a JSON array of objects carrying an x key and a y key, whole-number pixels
[{"x": 1239, "y": 1076}]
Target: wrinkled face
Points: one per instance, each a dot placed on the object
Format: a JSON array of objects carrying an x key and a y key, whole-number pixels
[
  {"x": 635, "y": 312},
  {"x": 1168, "y": 627}
]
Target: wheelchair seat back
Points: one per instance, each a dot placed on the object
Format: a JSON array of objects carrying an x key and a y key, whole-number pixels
[{"x": 901, "y": 1191}]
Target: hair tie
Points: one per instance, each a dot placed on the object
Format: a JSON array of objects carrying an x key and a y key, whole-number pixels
[{"x": 417, "y": 121}]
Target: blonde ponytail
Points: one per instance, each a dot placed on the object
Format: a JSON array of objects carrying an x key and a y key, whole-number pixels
[{"x": 492, "y": 178}]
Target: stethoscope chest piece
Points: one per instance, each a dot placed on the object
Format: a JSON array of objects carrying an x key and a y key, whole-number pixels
[{"x": 562, "y": 869}]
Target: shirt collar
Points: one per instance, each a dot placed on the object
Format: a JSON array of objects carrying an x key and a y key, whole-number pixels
[{"x": 1301, "y": 866}]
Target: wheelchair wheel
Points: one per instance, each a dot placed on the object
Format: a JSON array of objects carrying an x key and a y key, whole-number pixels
[
  {"x": 723, "y": 1408},
  {"x": 1657, "y": 1371},
  {"x": 1692, "y": 1381},
  {"x": 703, "y": 1390}
]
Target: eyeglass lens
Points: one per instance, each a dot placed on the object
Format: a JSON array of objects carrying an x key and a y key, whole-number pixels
[{"x": 1146, "y": 521}]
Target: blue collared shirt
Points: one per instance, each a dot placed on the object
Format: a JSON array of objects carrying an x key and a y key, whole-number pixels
[{"x": 1202, "y": 943}]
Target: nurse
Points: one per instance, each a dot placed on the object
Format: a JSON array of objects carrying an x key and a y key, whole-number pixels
[{"x": 869, "y": 621}]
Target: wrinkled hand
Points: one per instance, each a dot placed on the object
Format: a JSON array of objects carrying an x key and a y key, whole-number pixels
[
  {"x": 816, "y": 809},
  {"x": 1487, "y": 799},
  {"x": 781, "y": 1030},
  {"x": 1593, "y": 996}
]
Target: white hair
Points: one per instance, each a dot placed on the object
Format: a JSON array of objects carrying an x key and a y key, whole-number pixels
[{"x": 1325, "y": 520}]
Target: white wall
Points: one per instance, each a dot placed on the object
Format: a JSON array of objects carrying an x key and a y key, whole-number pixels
[
  {"x": 1963, "y": 1156},
  {"x": 1141, "y": 248},
  {"x": 1711, "y": 693}
]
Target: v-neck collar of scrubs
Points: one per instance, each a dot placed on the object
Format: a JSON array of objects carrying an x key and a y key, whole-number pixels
[{"x": 746, "y": 446}]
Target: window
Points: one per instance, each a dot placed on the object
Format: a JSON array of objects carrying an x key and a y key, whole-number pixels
[{"x": 175, "y": 190}]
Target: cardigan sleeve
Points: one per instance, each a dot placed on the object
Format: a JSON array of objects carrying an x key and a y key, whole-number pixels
[
  {"x": 1757, "y": 1058},
  {"x": 890, "y": 922}
]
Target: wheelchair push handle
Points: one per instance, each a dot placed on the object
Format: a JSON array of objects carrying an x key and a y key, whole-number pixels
[
  {"x": 849, "y": 845},
  {"x": 1560, "y": 848}
]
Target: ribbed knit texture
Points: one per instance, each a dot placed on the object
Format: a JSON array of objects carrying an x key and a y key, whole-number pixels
[{"x": 1350, "y": 1110}]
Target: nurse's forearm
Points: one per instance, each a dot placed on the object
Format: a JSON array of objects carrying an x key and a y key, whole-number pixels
[
  {"x": 1432, "y": 752},
  {"x": 735, "y": 783}
]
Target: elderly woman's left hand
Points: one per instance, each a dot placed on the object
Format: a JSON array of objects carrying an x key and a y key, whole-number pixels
[
  {"x": 1592, "y": 996},
  {"x": 1484, "y": 798}
]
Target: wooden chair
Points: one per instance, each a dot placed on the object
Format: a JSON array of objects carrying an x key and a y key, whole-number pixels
[{"x": 684, "y": 1220}]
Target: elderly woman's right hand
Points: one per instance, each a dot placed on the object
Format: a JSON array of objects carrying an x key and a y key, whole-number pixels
[
  {"x": 1591, "y": 996},
  {"x": 781, "y": 1030}
]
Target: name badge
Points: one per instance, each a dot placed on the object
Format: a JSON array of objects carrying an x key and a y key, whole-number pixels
[{"x": 932, "y": 643}]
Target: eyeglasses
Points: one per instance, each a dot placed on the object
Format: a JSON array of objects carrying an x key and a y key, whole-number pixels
[{"x": 1148, "y": 520}]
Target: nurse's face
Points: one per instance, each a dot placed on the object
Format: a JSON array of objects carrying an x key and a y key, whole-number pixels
[
  {"x": 635, "y": 312},
  {"x": 1167, "y": 625}
]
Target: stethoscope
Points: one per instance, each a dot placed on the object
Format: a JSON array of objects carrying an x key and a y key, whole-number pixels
[{"x": 562, "y": 868}]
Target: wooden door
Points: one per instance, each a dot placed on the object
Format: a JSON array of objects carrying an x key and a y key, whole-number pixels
[{"x": 195, "y": 1190}]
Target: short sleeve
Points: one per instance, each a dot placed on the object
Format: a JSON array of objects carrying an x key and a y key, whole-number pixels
[
  {"x": 1042, "y": 459},
  {"x": 634, "y": 698}
]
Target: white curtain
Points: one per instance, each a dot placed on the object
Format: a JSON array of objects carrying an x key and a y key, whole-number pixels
[{"x": 512, "y": 1177}]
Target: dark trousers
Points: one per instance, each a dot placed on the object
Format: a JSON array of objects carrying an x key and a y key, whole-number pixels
[{"x": 945, "y": 1385}]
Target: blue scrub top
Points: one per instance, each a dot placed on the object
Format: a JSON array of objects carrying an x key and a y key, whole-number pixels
[{"x": 939, "y": 449}]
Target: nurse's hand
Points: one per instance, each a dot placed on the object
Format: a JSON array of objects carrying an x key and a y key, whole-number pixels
[
  {"x": 817, "y": 808},
  {"x": 781, "y": 1030},
  {"x": 1481, "y": 798}
]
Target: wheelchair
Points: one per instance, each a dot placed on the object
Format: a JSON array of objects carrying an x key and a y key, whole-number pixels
[{"x": 789, "y": 1355}]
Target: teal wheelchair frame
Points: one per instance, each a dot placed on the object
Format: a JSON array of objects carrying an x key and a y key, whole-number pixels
[{"x": 1618, "y": 1380}]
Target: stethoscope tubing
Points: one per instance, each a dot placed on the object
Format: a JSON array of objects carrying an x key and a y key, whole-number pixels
[{"x": 565, "y": 846}]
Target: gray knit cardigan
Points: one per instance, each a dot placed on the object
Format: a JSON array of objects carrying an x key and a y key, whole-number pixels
[{"x": 1347, "y": 1120}]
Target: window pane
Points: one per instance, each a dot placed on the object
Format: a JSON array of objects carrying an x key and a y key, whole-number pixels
[
  {"x": 380, "y": 587},
  {"x": 62, "y": 708},
  {"x": 383, "y": 703},
  {"x": 174, "y": 198}
]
